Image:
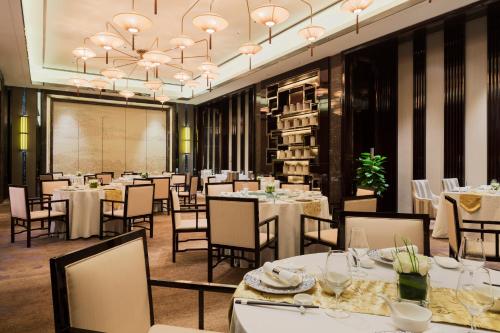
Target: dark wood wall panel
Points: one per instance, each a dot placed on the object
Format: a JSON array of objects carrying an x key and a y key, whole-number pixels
[
  {"x": 419, "y": 102},
  {"x": 493, "y": 116},
  {"x": 454, "y": 99}
]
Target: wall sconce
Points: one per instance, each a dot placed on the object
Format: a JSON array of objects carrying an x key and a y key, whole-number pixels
[
  {"x": 23, "y": 133},
  {"x": 185, "y": 144}
]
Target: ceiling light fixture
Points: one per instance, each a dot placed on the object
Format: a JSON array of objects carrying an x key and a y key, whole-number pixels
[
  {"x": 153, "y": 85},
  {"x": 208, "y": 67},
  {"x": 133, "y": 22},
  {"x": 107, "y": 40},
  {"x": 312, "y": 32},
  {"x": 270, "y": 15},
  {"x": 356, "y": 7},
  {"x": 210, "y": 23},
  {"x": 249, "y": 48},
  {"x": 127, "y": 93},
  {"x": 193, "y": 84},
  {"x": 156, "y": 57}
]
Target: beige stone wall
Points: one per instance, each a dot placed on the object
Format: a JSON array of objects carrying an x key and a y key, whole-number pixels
[{"x": 94, "y": 138}]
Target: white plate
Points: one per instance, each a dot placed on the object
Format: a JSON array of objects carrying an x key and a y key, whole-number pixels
[
  {"x": 252, "y": 279},
  {"x": 446, "y": 262},
  {"x": 375, "y": 256}
]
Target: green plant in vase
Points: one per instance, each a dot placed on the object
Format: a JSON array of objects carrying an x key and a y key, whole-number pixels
[
  {"x": 144, "y": 175},
  {"x": 412, "y": 270},
  {"x": 270, "y": 190},
  {"x": 371, "y": 172},
  {"x": 93, "y": 183}
]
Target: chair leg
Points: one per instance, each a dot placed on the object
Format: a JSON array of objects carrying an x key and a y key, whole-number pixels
[
  {"x": 256, "y": 257},
  {"x": 12, "y": 230},
  {"x": 28, "y": 237},
  {"x": 232, "y": 258},
  {"x": 151, "y": 226},
  {"x": 67, "y": 226},
  {"x": 210, "y": 268},
  {"x": 174, "y": 246},
  {"x": 276, "y": 249},
  {"x": 302, "y": 250}
]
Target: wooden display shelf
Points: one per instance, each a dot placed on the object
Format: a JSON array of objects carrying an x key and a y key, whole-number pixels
[
  {"x": 295, "y": 129},
  {"x": 298, "y": 114}
]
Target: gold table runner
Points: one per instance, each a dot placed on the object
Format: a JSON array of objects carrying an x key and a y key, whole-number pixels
[
  {"x": 362, "y": 297},
  {"x": 470, "y": 202},
  {"x": 113, "y": 194},
  {"x": 312, "y": 208}
]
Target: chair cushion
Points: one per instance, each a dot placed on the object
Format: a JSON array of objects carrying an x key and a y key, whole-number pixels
[
  {"x": 263, "y": 238},
  {"x": 191, "y": 224},
  {"x": 116, "y": 212},
  {"x": 42, "y": 214},
  {"x": 328, "y": 236},
  {"x": 183, "y": 193},
  {"x": 489, "y": 249},
  {"x": 173, "y": 329}
]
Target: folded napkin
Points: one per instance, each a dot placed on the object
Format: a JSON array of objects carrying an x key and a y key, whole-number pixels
[
  {"x": 388, "y": 253},
  {"x": 283, "y": 275}
]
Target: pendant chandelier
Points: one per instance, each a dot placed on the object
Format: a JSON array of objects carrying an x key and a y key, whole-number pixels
[
  {"x": 249, "y": 48},
  {"x": 270, "y": 15},
  {"x": 312, "y": 32},
  {"x": 356, "y": 7},
  {"x": 127, "y": 93},
  {"x": 153, "y": 85}
]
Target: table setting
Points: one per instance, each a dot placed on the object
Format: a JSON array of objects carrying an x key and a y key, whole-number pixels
[{"x": 407, "y": 292}]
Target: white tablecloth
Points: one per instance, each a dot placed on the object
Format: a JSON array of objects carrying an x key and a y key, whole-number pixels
[
  {"x": 250, "y": 319},
  {"x": 74, "y": 179},
  {"x": 84, "y": 210},
  {"x": 489, "y": 211}
]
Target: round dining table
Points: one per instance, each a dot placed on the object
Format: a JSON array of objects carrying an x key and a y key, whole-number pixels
[{"x": 257, "y": 319}]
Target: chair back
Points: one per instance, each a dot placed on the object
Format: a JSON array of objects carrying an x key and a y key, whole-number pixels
[
  {"x": 129, "y": 173},
  {"x": 49, "y": 186},
  {"x": 139, "y": 199},
  {"x": 251, "y": 185},
  {"x": 87, "y": 178},
  {"x": 296, "y": 186},
  {"x": 360, "y": 191},
  {"x": 450, "y": 184},
  {"x": 232, "y": 176},
  {"x": 89, "y": 290},
  {"x": 177, "y": 179},
  {"x": 193, "y": 185},
  {"x": 211, "y": 179},
  {"x": 215, "y": 189},
  {"x": 176, "y": 206},
  {"x": 58, "y": 173},
  {"x": 46, "y": 176},
  {"x": 233, "y": 222},
  {"x": 367, "y": 203},
  {"x": 453, "y": 217},
  {"x": 18, "y": 197},
  {"x": 105, "y": 178},
  {"x": 421, "y": 188},
  {"x": 383, "y": 229},
  {"x": 141, "y": 181},
  {"x": 162, "y": 187}
]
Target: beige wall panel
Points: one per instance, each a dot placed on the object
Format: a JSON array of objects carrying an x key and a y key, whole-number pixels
[
  {"x": 114, "y": 140},
  {"x": 65, "y": 129},
  {"x": 157, "y": 141},
  {"x": 90, "y": 141},
  {"x": 136, "y": 140}
]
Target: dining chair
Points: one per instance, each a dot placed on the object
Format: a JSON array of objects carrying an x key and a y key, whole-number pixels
[
  {"x": 178, "y": 181},
  {"x": 45, "y": 176},
  {"x": 185, "y": 225},
  {"x": 296, "y": 186},
  {"x": 450, "y": 184},
  {"x": 424, "y": 201},
  {"x": 23, "y": 216},
  {"x": 190, "y": 195},
  {"x": 214, "y": 189},
  {"x": 251, "y": 185},
  {"x": 104, "y": 178},
  {"x": 138, "y": 205},
  {"x": 162, "y": 191},
  {"x": 234, "y": 225},
  {"x": 141, "y": 181},
  {"x": 456, "y": 231},
  {"x": 87, "y": 178},
  {"x": 130, "y": 173},
  {"x": 365, "y": 203},
  {"x": 383, "y": 230},
  {"x": 361, "y": 191},
  {"x": 107, "y": 287},
  {"x": 211, "y": 179},
  {"x": 49, "y": 186}
]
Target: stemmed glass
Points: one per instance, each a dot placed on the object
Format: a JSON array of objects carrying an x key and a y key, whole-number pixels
[
  {"x": 358, "y": 247},
  {"x": 471, "y": 253},
  {"x": 338, "y": 278},
  {"x": 475, "y": 292}
]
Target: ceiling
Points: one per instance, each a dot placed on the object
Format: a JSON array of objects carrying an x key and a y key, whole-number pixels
[{"x": 53, "y": 28}]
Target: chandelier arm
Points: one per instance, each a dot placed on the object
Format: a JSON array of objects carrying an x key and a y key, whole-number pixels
[
  {"x": 249, "y": 22},
  {"x": 171, "y": 49},
  {"x": 109, "y": 24},
  {"x": 190, "y": 57},
  {"x": 125, "y": 53},
  {"x": 211, "y": 4},
  {"x": 187, "y": 12},
  {"x": 131, "y": 72},
  {"x": 124, "y": 65},
  {"x": 157, "y": 39},
  {"x": 310, "y": 10}
]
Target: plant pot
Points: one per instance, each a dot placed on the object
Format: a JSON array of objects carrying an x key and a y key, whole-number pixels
[{"x": 413, "y": 287}]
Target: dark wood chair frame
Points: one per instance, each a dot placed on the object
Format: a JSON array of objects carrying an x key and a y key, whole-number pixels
[
  {"x": 129, "y": 173},
  {"x": 233, "y": 253},
  {"x": 189, "y": 198},
  {"x": 105, "y": 173},
  {"x": 306, "y": 184},
  {"x": 47, "y": 196},
  {"x": 60, "y": 288},
  {"x": 141, "y": 179},
  {"x": 245, "y": 181},
  {"x": 128, "y": 222},
  {"x": 481, "y": 231},
  {"x": 86, "y": 178},
  {"x": 186, "y": 208},
  {"x": 307, "y": 241},
  {"x": 423, "y": 217},
  {"x": 163, "y": 202},
  {"x": 26, "y": 223},
  {"x": 216, "y": 184},
  {"x": 178, "y": 186},
  {"x": 58, "y": 173}
]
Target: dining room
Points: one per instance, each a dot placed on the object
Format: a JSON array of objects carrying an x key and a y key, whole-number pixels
[{"x": 249, "y": 166}]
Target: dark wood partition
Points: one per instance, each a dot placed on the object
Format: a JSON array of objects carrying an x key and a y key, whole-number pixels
[
  {"x": 493, "y": 91},
  {"x": 419, "y": 102}
]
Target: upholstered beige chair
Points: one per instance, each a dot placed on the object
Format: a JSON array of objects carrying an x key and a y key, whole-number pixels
[
  {"x": 251, "y": 185},
  {"x": 361, "y": 191},
  {"x": 456, "y": 229},
  {"x": 183, "y": 223},
  {"x": 107, "y": 288},
  {"x": 211, "y": 179},
  {"x": 178, "y": 181},
  {"x": 366, "y": 203},
  {"x": 232, "y": 176},
  {"x": 48, "y": 187},
  {"x": 23, "y": 216},
  {"x": 189, "y": 196},
  {"x": 424, "y": 201},
  {"x": 104, "y": 177},
  {"x": 234, "y": 225},
  {"x": 383, "y": 229},
  {"x": 450, "y": 184},
  {"x": 138, "y": 205},
  {"x": 162, "y": 191},
  {"x": 215, "y": 189},
  {"x": 45, "y": 176},
  {"x": 296, "y": 186}
]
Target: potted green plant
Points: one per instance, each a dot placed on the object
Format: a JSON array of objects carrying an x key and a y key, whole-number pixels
[{"x": 371, "y": 173}]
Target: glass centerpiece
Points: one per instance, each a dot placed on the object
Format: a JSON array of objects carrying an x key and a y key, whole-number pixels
[
  {"x": 413, "y": 275},
  {"x": 79, "y": 173},
  {"x": 271, "y": 190},
  {"x": 494, "y": 185},
  {"x": 93, "y": 183}
]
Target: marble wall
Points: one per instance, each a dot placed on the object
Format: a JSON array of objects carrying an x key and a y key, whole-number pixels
[{"x": 94, "y": 138}]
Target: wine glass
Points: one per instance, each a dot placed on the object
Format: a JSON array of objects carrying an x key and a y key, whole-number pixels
[
  {"x": 475, "y": 292},
  {"x": 358, "y": 246},
  {"x": 471, "y": 253},
  {"x": 338, "y": 277}
]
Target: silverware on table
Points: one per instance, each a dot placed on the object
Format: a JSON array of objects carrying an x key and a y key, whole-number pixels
[{"x": 248, "y": 302}]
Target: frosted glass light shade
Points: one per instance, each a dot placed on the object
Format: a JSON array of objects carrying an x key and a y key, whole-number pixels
[
  {"x": 270, "y": 14},
  {"x": 78, "y": 82},
  {"x": 162, "y": 98},
  {"x": 83, "y": 53},
  {"x": 312, "y": 33},
  {"x": 133, "y": 22},
  {"x": 210, "y": 22},
  {"x": 355, "y": 6},
  {"x": 250, "y": 48},
  {"x": 182, "y": 42},
  {"x": 147, "y": 64},
  {"x": 112, "y": 73},
  {"x": 127, "y": 93},
  {"x": 153, "y": 85},
  {"x": 182, "y": 76},
  {"x": 107, "y": 40},
  {"x": 208, "y": 67},
  {"x": 99, "y": 84},
  {"x": 156, "y": 57}
]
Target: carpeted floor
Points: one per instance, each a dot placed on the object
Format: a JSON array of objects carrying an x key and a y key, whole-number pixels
[{"x": 25, "y": 292}]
